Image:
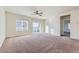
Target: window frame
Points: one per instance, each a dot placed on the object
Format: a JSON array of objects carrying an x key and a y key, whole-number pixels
[{"x": 21, "y": 25}]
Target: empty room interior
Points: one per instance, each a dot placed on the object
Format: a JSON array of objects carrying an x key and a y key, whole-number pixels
[{"x": 39, "y": 29}]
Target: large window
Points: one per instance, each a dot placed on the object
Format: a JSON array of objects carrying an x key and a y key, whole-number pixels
[
  {"x": 36, "y": 27},
  {"x": 21, "y": 25},
  {"x": 47, "y": 29}
]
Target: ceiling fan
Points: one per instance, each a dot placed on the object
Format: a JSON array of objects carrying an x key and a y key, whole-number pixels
[{"x": 38, "y": 13}]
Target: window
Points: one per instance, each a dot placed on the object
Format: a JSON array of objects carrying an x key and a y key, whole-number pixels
[
  {"x": 47, "y": 29},
  {"x": 52, "y": 31},
  {"x": 36, "y": 27},
  {"x": 21, "y": 25},
  {"x": 68, "y": 25}
]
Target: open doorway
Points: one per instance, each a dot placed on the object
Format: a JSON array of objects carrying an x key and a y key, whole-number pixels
[{"x": 65, "y": 25}]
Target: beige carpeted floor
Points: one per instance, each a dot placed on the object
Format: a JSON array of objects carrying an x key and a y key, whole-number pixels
[{"x": 40, "y": 43}]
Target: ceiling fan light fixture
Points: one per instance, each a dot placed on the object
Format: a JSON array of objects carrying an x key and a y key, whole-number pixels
[{"x": 38, "y": 13}]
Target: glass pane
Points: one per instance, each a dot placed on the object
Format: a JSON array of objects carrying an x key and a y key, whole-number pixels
[
  {"x": 36, "y": 27},
  {"x": 21, "y": 25},
  {"x": 47, "y": 29}
]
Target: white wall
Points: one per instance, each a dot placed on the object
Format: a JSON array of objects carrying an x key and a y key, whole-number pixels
[
  {"x": 75, "y": 24},
  {"x": 74, "y": 21},
  {"x": 2, "y": 25},
  {"x": 54, "y": 22}
]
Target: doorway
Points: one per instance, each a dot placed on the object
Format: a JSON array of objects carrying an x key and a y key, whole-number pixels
[{"x": 65, "y": 25}]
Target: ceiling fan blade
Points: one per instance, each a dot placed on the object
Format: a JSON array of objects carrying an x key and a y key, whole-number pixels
[{"x": 38, "y": 13}]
